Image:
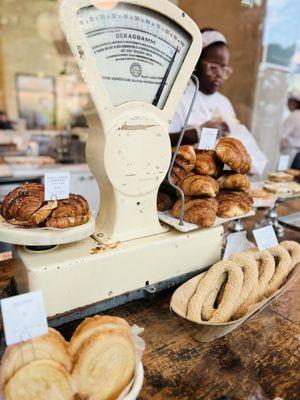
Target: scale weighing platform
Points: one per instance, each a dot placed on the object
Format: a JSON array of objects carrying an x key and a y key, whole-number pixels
[{"x": 136, "y": 58}]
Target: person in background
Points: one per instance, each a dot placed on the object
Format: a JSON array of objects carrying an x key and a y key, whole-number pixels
[
  {"x": 212, "y": 109},
  {"x": 5, "y": 124},
  {"x": 290, "y": 142}
]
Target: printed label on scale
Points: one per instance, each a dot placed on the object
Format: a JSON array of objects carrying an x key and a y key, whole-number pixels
[
  {"x": 138, "y": 52},
  {"x": 265, "y": 238},
  {"x": 57, "y": 186},
  {"x": 208, "y": 139},
  {"x": 24, "y": 317}
]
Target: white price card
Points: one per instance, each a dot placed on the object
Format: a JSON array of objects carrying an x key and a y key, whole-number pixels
[
  {"x": 265, "y": 238},
  {"x": 237, "y": 243},
  {"x": 24, "y": 317},
  {"x": 208, "y": 139},
  {"x": 57, "y": 186},
  {"x": 284, "y": 163}
]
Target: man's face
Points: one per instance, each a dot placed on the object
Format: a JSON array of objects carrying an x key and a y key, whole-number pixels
[{"x": 213, "y": 68}]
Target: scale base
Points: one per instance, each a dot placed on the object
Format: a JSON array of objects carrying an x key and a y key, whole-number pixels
[{"x": 71, "y": 277}]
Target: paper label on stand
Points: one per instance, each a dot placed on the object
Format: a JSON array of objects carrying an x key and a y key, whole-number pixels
[
  {"x": 208, "y": 139},
  {"x": 265, "y": 238},
  {"x": 57, "y": 186},
  {"x": 284, "y": 162},
  {"x": 237, "y": 243},
  {"x": 24, "y": 317}
]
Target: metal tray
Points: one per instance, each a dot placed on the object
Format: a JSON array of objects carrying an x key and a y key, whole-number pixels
[{"x": 291, "y": 221}]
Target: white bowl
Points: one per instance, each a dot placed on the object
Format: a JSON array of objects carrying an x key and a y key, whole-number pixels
[{"x": 137, "y": 384}]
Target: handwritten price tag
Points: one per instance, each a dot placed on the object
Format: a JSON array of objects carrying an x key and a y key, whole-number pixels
[
  {"x": 24, "y": 317},
  {"x": 284, "y": 162},
  {"x": 208, "y": 139},
  {"x": 265, "y": 238},
  {"x": 57, "y": 186}
]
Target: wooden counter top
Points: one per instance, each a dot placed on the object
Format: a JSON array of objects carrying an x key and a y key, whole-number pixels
[{"x": 259, "y": 361}]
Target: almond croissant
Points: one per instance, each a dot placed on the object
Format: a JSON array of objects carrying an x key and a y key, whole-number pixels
[
  {"x": 30, "y": 191},
  {"x": 66, "y": 222},
  {"x": 74, "y": 206}
]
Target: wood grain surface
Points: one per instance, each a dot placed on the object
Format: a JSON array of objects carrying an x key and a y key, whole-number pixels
[{"x": 258, "y": 361}]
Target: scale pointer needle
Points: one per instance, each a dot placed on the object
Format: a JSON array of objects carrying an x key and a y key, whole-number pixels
[{"x": 164, "y": 81}]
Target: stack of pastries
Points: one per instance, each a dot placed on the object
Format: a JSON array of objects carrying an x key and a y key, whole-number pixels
[
  {"x": 97, "y": 364},
  {"x": 210, "y": 191},
  {"x": 25, "y": 206},
  {"x": 230, "y": 289}
]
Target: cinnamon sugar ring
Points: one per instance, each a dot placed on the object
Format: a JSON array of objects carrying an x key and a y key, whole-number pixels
[
  {"x": 250, "y": 269},
  {"x": 229, "y": 302},
  {"x": 282, "y": 267},
  {"x": 266, "y": 269},
  {"x": 293, "y": 249}
]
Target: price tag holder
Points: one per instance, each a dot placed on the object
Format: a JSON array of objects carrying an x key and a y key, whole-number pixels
[
  {"x": 237, "y": 243},
  {"x": 24, "y": 317},
  {"x": 284, "y": 162},
  {"x": 57, "y": 186},
  {"x": 265, "y": 238},
  {"x": 208, "y": 139}
]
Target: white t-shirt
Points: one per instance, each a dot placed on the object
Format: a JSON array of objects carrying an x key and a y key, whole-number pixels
[
  {"x": 208, "y": 107},
  {"x": 290, "y": 143}
]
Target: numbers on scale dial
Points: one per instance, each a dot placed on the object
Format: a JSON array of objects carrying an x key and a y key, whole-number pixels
[{"x": 158, "y": 57}]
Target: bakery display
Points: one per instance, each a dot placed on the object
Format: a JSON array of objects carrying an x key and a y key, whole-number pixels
[
  {"x": 196, "y": 173},
  {"x": 231, "y": 288},
  {"x": 25, "y": 206},
  {"x": 234, "y": 204},
  {"x": 184, "y": 163},
  {"x": 201, "y": 212},
  {"x": 234, "y": 181},
  {"x": 98, "y": 363},
  {"x": 233, "y": 153},
  {"x": 280, "y": 177},
  {"x": 207, "y": 163},
  {"x": 199, "y": 185}
]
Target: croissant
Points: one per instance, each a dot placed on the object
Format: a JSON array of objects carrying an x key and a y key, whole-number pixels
[
  {"x": 233, "y": 153},
  {"x": 184, "y": 163},
  {"x": 234, "y": 204},
  {"x": 164, "y": 201},
  {"x": 66, "y": 222},
  {"x": 200, "y": 185},
  {"x": 200, "y": 212},
  {"x": 51, "y": 346},
  {"x": 186, "y": 158},
  {"x": 105, "y": 365},
  {"x": 233, "y": 181},
  {"x": 74, "y": 206},
  {"x": 34, "y": 191},
  {"x": 40, "y": 380},
  {"x": 207, "y": 163},
  {"x": 41, "y": 214},
  {"x": 91, "y": 326}
]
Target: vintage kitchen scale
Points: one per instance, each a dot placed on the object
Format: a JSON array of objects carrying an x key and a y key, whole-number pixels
[{"x": 136, "y": 58}]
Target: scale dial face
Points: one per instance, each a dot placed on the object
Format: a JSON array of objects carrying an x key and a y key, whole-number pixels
[{"x": 138, "y": 51}]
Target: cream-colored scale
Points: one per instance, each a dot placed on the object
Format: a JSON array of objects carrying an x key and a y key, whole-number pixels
[{"x": 136, "y": 59}]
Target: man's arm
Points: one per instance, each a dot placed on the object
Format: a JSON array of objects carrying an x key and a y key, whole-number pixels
[{"x": 190, "y": 137}]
